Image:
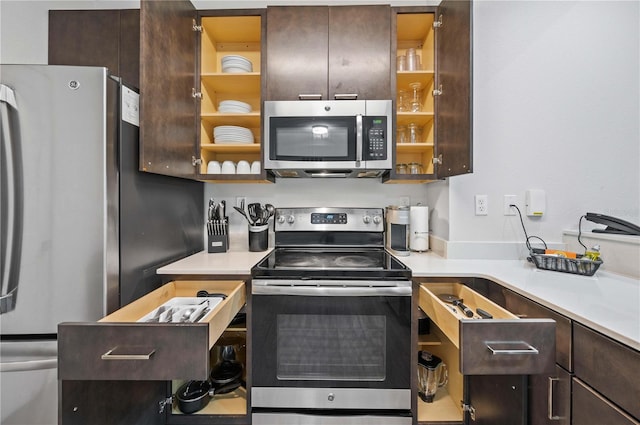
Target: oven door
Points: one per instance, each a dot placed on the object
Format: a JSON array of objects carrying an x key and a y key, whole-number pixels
[{"x": 331, "y": 346}]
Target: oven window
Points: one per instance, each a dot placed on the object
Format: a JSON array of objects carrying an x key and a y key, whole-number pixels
[
  {"x": 302, "y": 138},
  {"x": 331, "y": 347}
]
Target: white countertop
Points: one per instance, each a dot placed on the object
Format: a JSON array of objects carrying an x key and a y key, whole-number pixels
[{"x": 606, "y": 302}]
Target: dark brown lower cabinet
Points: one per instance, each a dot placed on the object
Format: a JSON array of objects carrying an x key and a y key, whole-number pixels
[
  {"x": 591, "y": 408},
  {"x": 550, "y": 398}
]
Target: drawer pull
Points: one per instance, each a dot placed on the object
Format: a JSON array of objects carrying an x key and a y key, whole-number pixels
[
  {"x": 119, "y": 353},
  {"x": 550, "y": 414},
  {"x": 511, "y": 348}
]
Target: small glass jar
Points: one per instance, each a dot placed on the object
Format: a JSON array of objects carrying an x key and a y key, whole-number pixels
[
  {"x": 403, "y": 101},
  {"x": 401, "y": 169},
  {"x": 415, "y": 133},
  {"x": 415, "y": 168},
  {"x": 403, "y": 134},
  {"x": 401, "y": 63}
]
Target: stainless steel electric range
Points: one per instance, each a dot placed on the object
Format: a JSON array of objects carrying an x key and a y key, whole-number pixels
[{"x": 331, "y": 323}]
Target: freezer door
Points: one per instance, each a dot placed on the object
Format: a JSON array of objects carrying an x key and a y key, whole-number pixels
[
  {"x": 28, "y": 383},
  {"x": 58, "y": 147}
]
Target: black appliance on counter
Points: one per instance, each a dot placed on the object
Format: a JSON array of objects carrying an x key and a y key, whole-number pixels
[{"x": 331, "y": 322}]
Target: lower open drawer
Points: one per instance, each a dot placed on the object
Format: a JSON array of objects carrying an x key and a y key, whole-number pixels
[{"x": 118, "y": 347}]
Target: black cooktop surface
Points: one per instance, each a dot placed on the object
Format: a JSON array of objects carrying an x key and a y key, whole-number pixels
[{"x": 330, "y": 263}]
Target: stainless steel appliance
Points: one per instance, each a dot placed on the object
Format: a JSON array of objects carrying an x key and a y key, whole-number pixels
[
  {"x": 82, "y": 231},
  {"x": 317, "y": 138},
  {"x": 331, "y": 321},
  {"x": 397, "y": 236}
]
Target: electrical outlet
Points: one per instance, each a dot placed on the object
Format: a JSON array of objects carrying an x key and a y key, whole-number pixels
[
  {"x": 482, "y": 205},
  {"x": 241, "y": 200},
  {"x": 405, "y": 201},
  {"x": 508, "y": 201}
]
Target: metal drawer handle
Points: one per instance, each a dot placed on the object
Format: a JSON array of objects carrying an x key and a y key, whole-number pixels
[
  {"x": 310, "y": 96},
  {"x": 112, "y": 355},
  {"x": 519, "y": 347},
  {"x": 550, "y": 414}
]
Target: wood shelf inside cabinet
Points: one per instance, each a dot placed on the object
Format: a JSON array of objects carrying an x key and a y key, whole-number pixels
[
  {"x": 248, "y": 120},
  {"x": 227, "y": 148},
  {"x": 428, "y": 339},
  {"x": 442, "y": 409},
  {"x": 404, "y": 78},
  {"x": 420, "y": 118},
  {"x": 413, "y": 147},
  {"x": 238, "y": 83}
]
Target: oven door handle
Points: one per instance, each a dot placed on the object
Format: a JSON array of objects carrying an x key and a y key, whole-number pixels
[{"x": 333, "y": 291}]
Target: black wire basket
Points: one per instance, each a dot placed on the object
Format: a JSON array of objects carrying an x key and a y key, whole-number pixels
[{"x": 579, "y": 265}]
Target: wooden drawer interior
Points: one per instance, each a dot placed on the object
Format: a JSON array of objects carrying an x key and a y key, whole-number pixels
[
  {"x": 446, "y": 316},
  {"x": 218, "y": 319}
]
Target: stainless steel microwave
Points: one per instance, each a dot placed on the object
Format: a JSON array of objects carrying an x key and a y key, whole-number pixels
[{"x": 333, "y": 138}]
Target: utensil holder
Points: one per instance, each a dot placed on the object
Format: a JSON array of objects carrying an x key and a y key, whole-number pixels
[{"x": 258, "y": 238}]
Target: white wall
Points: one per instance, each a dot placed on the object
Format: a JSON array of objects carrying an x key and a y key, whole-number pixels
[{"x": 556, "y": 107}]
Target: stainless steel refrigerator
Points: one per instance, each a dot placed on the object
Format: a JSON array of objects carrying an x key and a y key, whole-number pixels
[{"x": 82, "y": 230}]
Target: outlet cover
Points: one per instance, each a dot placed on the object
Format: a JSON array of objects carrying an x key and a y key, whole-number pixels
[
  {"x": 482, "y": 204},
  {"x": 510, "y": 200}
]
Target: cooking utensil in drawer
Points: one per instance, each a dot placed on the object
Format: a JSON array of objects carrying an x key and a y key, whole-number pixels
[{"x": 456, "y": 301}]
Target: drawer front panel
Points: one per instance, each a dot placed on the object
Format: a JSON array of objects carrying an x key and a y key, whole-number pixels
[
  {"x": 609, "y": 367},
  {"x": 588, "y": 405},
  {"x": 132, "y": 351},
  {"x": 527, "y": 309},
  {"x": 507, "y": 347}
]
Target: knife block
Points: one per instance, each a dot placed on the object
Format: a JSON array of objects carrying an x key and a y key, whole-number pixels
[{"x": 218, "y": 243}]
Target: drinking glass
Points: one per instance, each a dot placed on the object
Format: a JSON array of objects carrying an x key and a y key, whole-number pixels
[
  {"x": 415, "y": 133},
  {"x": 403, "y": 96},
  {"x": 416, "y": 97}
]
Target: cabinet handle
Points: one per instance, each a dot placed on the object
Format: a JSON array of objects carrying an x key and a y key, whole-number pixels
[
  {"x": 345, "y": 96},
  {"x": 310, "y": 96},
  {"x": 519, "y": 347},
  {"x": 550, "y": 414},
  {"x": 113, "y": 355}
]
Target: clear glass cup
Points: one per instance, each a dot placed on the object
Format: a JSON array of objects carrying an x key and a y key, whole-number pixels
[
  {"x": 416, "y": 97},
  {"x": 415, "y": 168},
  {"x": 403, "y": 134},
  {"x": 403, "y": 101},
  {"x": 412, "y": 64},
  {"x": 401, "y": 63},
  {"x": 415, "y": 133},
  {"x": 401, "y": 169}
]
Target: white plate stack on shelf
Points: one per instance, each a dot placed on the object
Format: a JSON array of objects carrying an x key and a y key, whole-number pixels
[
  {"x": 232, "y": 134},
  {"x": 234, "y": 107},
  {"x": 236, "y": 64}
]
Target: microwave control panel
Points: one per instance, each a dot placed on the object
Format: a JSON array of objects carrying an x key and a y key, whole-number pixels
[{"x": 375, "y": 138}]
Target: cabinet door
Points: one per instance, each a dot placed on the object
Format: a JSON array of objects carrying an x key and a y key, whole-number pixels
[
  {"x": 297, "y": 43},
  {"x": 360, "y": 52},
  {"x": 589, "y": 408},
  {"x": 499, "y": 399},
  {"x": 453, "y": 75},
  {"x": 550, "y": 398},
  {"x": 167, "y": 79}
]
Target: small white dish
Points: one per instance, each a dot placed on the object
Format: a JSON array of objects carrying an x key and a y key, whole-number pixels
[
  {"x": 255, "y": 167},
  {"x": 243, "y": 167},
  {"x": 228, "y": 167},
  {"x": 213, "y": 167}
]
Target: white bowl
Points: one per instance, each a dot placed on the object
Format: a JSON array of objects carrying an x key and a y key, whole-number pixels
[
  {"x": 243, "y": 167},
  {"x": 228, "y": 167},
  {"x": 255, "y": 167},
  {"x": 213, "y": 167}
]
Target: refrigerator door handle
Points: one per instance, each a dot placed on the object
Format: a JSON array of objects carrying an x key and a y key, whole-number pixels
[
  {"x": 42, "y": 364},
  {"x": 11, "y": 196}
]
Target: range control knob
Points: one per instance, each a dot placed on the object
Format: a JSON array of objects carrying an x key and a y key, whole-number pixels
[
  {"x": 366, "y": 219},
  {"x": 281, "y": 219},
  {"x": 331, "y": 397},
  {"x": 377, "y": 219},
  {"x": 291, "y": 219}
]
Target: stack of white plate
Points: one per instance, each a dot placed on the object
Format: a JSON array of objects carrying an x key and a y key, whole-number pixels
[
  {"x": 234, "y": 107},
  {"x": 232, "y": 134},
  {"x": 235, "y": 63}
]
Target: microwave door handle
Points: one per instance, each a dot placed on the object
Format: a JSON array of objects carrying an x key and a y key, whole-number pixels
[{"x": 358, "y": 139}]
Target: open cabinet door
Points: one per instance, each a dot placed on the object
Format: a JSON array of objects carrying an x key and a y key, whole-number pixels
[
  {"x": 167, "y": 79},
  {"x": 454, "y": 77},
  {"x": 495, "y": 399}
]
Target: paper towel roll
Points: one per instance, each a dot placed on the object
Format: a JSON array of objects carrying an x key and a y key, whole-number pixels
[{"x": 419, "y": 228}]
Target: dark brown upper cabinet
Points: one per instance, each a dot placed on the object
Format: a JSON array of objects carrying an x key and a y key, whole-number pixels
[
  {"x": 328, "y": 52},
  {"x": 109, "y": 38},
  {"x": 183, "y": 83},
  {"x": 435, "y": 137}
]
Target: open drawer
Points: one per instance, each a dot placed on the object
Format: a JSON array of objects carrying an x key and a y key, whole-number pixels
[
  {"x": 502, "y": 345},
  {"x": 118, "y": 347}
]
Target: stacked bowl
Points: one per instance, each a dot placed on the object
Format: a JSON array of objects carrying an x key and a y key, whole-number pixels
[
  {"x": 234, "y": 107},
  {"x": 236, "y": 63}
]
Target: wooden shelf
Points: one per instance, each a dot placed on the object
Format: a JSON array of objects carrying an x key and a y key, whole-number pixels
[
  {"x": 420, "y": 118},
  {"x": 225, "y": 148},
  {"x": 443, "y": 408},
  {"x": 237, "y": 83},
  {"x": 413, "y": 147},
  {"x": 428, "y": 339},
  {"x": 248, "y": 120},
  {"x": 404, "y": 78}
]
